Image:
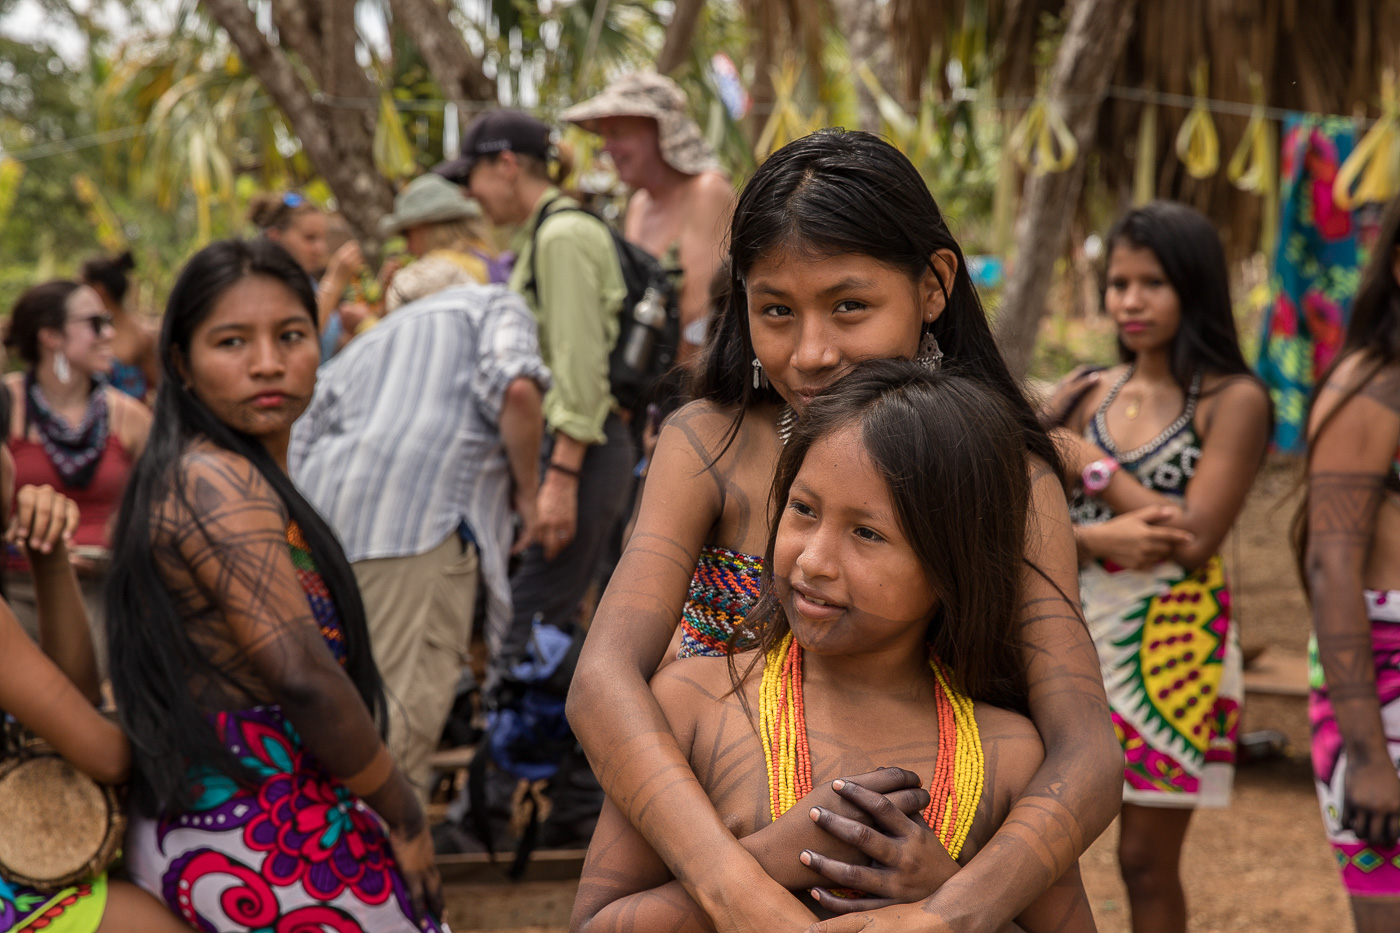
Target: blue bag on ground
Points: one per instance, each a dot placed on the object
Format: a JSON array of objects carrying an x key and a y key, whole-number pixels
[{"x": 540, "y": 788}]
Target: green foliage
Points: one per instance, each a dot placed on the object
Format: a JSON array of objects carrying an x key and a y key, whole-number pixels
[
  {"x": 41, "y": 109},
  {"x": 51, "y": 118},
  {"x": 190, "y": 134}
]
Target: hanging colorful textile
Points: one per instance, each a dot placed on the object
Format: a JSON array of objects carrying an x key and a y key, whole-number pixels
[{"x": 1315, "y": 272}]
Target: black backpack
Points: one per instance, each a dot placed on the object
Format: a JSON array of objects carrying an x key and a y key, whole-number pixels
[{"x": 632, "y": 388}]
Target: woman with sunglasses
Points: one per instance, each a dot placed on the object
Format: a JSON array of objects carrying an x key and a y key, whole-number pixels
[{"x": 70, "y": 429}]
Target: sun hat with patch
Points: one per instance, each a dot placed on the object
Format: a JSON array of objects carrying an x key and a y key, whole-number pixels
[
  {"x": 648, "y": 94},
  {"x": 428, "y": 199},
  {"x": 499, "y": 131}
]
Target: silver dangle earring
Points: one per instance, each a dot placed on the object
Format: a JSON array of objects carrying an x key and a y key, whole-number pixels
[
  {"x": 61, "y": 370},
  {"x": 930, "y": 357},
  {"x": 787, "y": 420},
  {"x": 760, "y": 378}
]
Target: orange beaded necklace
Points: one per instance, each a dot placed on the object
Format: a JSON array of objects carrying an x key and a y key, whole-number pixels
[{"x": 957, "y": 777}]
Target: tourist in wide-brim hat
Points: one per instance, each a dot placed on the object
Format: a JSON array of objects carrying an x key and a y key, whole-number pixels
[{"x": 681, "y": 199}]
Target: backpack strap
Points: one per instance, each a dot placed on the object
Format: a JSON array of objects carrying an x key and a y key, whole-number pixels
[{"x": 545, "y": 214}]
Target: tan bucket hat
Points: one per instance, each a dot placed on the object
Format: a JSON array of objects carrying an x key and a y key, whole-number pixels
[
  {"x": 648, "y": 94},
  {"x": 425, "y": 200}
]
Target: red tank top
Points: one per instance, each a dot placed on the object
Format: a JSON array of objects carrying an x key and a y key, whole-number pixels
[{"x": 96, "y": 503}]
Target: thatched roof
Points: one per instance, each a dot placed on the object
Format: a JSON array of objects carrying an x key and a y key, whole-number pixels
[{"x": 1320, "y": 57}]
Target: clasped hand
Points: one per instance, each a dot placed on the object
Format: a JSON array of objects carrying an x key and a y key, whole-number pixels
[
  {"x": 906, "y": 861},
  {"x": 1142, "y": 538},
  {"x": 43, "y": 519},
  {"x": 873, "y": 839}
]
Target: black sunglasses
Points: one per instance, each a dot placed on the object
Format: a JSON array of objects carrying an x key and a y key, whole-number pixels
[{"x": 96, "y": 321}]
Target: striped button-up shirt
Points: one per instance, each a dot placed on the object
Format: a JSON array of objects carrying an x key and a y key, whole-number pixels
[{"x": 401, "y": 442}]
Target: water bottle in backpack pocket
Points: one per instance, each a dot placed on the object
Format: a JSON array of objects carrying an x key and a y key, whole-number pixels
[{"x": 649, "y": 324}]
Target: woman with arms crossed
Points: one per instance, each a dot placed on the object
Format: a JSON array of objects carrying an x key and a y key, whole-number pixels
[
  {"x": 838, "y": 254},
  {"x": 1350, "y": 550},
  {"x": 1165, "y": 448}
]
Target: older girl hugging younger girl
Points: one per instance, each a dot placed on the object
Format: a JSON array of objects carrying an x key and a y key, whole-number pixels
[
  {"x": 838, "y": 255},
  {"x": 887, "y": 634}
]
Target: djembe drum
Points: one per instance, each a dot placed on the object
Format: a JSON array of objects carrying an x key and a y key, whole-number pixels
[{"x": 57, "y": 825}]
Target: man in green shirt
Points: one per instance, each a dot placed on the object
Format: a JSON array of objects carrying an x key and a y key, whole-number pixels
[{"x": 567, "y": 270}]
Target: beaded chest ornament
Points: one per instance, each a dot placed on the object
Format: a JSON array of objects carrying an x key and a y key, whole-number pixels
[{"x": 958, "y": 774}]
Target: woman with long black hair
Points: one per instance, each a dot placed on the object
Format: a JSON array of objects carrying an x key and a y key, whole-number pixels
[
  {"x": 1164, "y": 449},
  {"x": 240, "y": 659},
  {"x": 1349, "y": 549},
  {"x": 838, "y": 254}
]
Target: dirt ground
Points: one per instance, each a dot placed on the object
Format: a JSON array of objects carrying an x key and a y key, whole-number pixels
[{"x": 1260, "y": 866}]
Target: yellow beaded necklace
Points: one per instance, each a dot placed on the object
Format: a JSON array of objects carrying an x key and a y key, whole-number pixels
[{"x": 958, "y": 774}]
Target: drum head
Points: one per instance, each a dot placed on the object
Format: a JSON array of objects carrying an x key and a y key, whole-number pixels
[{"x": 56, "y": 820}]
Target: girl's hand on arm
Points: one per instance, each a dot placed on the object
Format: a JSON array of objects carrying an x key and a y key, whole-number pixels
[
  {"x": 1138, "y": 540},
  {"x": 908, "y": 861},
  {"x": 1068, "y": 393},
  {"x": 796, "y": 848},
  {"x": 1345, "y": 489}
]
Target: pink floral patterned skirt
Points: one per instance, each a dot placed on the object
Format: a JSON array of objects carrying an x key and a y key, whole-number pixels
[
  {"x": 1367, "y": 871},
  {"x": 297, "y": 853}
]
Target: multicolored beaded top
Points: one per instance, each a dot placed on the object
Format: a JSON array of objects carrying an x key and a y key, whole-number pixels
[
  {"x": 322, "y": 606},
  {"x": 958, "y": 775},
  {"x": 722, "y": 592}
]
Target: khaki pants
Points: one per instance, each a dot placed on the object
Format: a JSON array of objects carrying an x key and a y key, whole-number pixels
[{"x": 419, "y": 611}]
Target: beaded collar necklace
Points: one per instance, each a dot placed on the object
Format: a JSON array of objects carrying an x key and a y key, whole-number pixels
[
  {"x": 1193, "y": 394},
  {"x": 958, "y": 774}
]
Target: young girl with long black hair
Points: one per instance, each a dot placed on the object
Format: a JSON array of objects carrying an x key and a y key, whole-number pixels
[
  {"x": 1349, "y": 549},
  {"x": 887, "y": 634},
  {"x": 240, "y": 660},
  {"x": 838, "y": 254},
  {"x": 1164, "y": 449}
]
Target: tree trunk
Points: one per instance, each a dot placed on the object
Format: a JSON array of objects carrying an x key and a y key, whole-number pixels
[
  {"x": 336, "y": 132},
  {"x": 867, "y": 41},
  {"x": 298, "y": 24},
  {"x": 1084, "y": 64},
  {"x": 680, "y": 34},
  {"x": 454, "y": 67}
]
